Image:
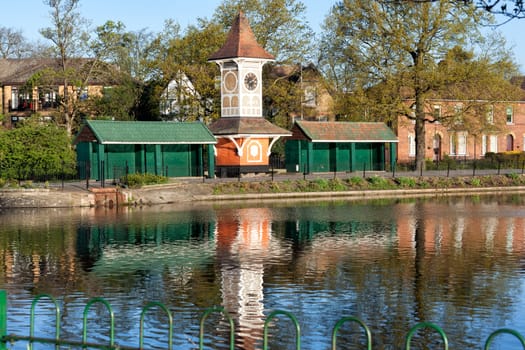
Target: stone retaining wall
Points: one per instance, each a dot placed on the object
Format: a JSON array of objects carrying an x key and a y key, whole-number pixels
[{"x": 45, "y": 198}]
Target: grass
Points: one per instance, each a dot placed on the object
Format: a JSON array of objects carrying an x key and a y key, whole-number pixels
[{"x": 370, "y": 183}]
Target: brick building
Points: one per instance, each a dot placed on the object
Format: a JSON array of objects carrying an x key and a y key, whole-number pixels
[
  {"x": 498, "y": 127},
  {"x": 20, "y": 97}
]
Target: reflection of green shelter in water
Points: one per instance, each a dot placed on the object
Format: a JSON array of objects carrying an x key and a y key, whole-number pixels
[
  {"x": 112, "y": 148},
  {"x": 115, "y": 248}
]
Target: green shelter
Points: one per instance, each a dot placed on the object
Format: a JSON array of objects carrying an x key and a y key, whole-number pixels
[
  {"x": 110, "y": 149},
  {"x": 339, "y": 146}
]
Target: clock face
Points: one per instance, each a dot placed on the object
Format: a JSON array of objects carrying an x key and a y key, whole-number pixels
[
  {"x": 230, "y": 81},
  {"x": 250, "y": 81}
]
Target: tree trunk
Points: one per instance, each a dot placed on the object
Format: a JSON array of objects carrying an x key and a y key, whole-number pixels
[{"x": 420, "y": 133}]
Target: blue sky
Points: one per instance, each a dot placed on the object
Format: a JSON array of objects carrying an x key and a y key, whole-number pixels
[{"x": 31, "y": 15}]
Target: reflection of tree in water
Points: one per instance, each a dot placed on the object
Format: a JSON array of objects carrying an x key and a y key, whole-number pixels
[
  {"x": 445, "y": 274},
  {"x": 457, "y": 266},
  {"x": 89, "y": 246}
]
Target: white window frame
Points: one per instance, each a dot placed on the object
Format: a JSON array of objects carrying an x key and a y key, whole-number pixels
[
  {"x": 458, "y": 113},
  {"x": 509, "y": 112},
  {"x": 453, "y": 144},
  {"x": 493, "y": 143},
  {"x": 459, "y": 143},
  {"x": 411, "y": 145},
  {"x": 490, "y": 114},
  {"x": 462, "y": 144},
  {"x": 437, "y": 111}
]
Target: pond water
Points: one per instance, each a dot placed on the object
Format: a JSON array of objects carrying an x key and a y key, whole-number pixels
[{"x": 457, "y": 262}]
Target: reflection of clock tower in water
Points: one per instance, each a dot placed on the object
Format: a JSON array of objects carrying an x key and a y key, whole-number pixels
[{"x": 245, "y": 138}]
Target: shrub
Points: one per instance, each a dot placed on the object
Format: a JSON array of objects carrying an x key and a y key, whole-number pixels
[
  {"x": 475, "y": 182},
  {"x": 379, "y": 182},
  {"x": 356, "y": 181},
  {"x": 337, "y": 185},
  {"x": 138, "y": 180},
  {"x": 406, "y": 182},
  {"x": 322, "y": 185}
]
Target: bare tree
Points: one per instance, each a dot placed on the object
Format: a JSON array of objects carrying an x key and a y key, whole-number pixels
[
  {"x": 508, "y": 8},
  {"x": 12, "y": 43},
  {"x": 70, "y": 37}
]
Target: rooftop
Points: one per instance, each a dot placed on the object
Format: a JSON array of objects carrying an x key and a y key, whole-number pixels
[
  {"x": 346, "y": 131},
  {"x": 241, "y": 42},
  {"x": 133, "y": 132}
]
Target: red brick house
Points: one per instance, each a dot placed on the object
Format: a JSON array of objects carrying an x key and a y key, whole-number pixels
[
  {"x": 20, "y": 98},
  {"x": 493, "y": 127}
]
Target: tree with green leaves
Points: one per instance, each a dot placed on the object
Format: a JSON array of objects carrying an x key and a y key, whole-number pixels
[
  {"x": 280, "y": 26},
  {"x": 387, "y": 59},
  {"x": 35, "y": 149},
  {"x": 182, "y": 56},
  {"x": 123, "y": 56}
]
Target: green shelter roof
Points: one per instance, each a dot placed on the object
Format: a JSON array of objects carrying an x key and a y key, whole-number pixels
[
  {"x": 133, "y": 132},
  {"x": 346, "y": 131}
]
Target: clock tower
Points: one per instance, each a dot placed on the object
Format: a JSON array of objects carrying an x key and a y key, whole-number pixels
[{"x": 245, "y": 138}]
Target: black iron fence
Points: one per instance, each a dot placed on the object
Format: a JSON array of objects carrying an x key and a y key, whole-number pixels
[{"x": 111, "y": 174}]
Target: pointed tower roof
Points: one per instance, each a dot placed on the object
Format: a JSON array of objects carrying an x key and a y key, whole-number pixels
[{"x": 241, "y": 42}]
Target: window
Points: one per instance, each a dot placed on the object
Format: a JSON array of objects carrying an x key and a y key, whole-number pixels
[
  {"x": 510, "y": 142},
  {"x": 14, "y": 98},
  {"x": 82, "y": 93},
  {"x": 48, "y": 98},
  {"x": 462, "y": 144},
  {"x": 310, "y": 97},
  {"x": 458, "y": 144},
  {"x": 490, "y": 114},
  {"x": 413, "y": 112},
  {"x": 411, "y": 145},
  {"x": 458, "y": 113},
  {"x": 510, "y": 115},
  {"x": 493, "y": 143},
  {"x": 489, "y": 144},
  {"x": 437, "y": 112}
]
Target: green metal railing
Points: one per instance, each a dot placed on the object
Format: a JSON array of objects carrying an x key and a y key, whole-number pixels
[{"x": 57, "y": 341}]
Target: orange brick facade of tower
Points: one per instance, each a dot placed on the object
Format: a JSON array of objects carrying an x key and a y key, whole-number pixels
[{"x": 255, "y": 152}]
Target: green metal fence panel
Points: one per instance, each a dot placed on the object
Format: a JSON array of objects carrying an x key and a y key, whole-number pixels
[
  {"x": 344, "y": 320},
  {"x": 32, "y": 317},
  {"x": 274, "y": 314},
  {"x": 512, "y": 332},
  {"x": 90, "y": 303},
  {"x": 148, "y": 307},
  {"x": 421, "y": 325},
  {"x": 6, "y": 339},
  {"x": 206, "y": 314},
  {"x": 3, "y": 317}
]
